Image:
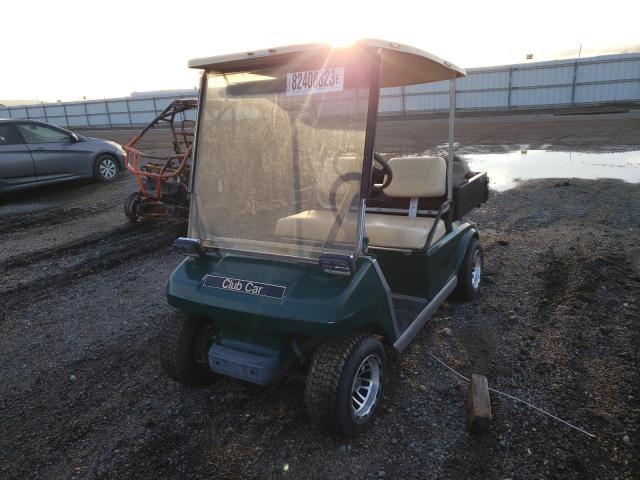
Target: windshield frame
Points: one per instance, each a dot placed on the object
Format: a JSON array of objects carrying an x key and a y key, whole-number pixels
[{"x": 372, "y": 61}]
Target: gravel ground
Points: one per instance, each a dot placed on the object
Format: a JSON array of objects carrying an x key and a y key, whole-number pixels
[{"x": 82, "y": 396}]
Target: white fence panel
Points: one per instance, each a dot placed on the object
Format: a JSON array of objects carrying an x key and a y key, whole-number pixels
[
  {"x": 138, "y": 118},
  {"x": 528, "y": 97},
  {"x": 117, "y": 106},
  {"x": 391, "y": 104},
  {"x": 55, "y": 110},
  {"x": 611, "y": 78},
  {"x": 481, "y": 80},
  {"x": 542, "y": 76},
  {"x": 96, "y": 107},
  {"x": 34, "y": 112},
  {"x": 98, "y": 120},
  {"x": 487, "y": 100},
  {"x": 75, "y": 109},
  {"x": 607, "y": 92},
  {"x": 59, "y": 121},
  {"x": 142, "y": 106},
  {"x": 119, "y": 119},
  {"x": 608, "y": 71},
  {"x": 428, "y": 103}
]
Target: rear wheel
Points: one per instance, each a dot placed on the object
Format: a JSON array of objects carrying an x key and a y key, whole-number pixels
[
  {"x": 131, "y": 207},
  {"x": 105, "y": 168},
  {"x": 183, "y": 345},
  {"x": 470, "y": 272},
  {"x": 344, "y": 384}
]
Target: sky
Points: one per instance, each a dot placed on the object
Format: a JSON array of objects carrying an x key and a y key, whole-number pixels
[{"x": 68, "y": 49}]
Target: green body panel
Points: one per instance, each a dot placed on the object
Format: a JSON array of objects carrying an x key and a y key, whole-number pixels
[
  {"x": 314, "y": 303},
  {"x": 425, "y": 274}
]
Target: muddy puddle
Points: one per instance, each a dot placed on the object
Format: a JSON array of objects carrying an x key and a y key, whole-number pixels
[{"x": 507, "y": 169}]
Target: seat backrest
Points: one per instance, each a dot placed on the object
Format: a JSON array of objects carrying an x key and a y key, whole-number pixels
[{"x": 417, "y": 177}]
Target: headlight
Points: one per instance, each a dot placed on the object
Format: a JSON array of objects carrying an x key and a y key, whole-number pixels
[{"x": 117, "y": 146}]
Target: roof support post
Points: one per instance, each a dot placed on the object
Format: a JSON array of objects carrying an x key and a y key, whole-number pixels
[
  {"x": 372, "y": 120},
  {"x": 86, "y": 113},
  {"x": 66, "y": 116},
  {"x": 509, "y": 88},
  {"x": 196, "y": 133},
  {"x": 452, "y": 116},
  {"x": 375, "y": 67},
  {"x": 573, "y": 83}
]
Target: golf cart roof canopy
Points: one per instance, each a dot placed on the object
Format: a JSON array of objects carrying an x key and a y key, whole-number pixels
[{"x": 401, "y": 64}]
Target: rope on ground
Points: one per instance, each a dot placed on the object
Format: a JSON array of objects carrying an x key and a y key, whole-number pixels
[{"x": 515, "y": 399}]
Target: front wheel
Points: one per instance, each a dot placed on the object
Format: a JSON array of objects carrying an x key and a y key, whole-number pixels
[
  {"x": 470, "y": 272},
  {"x": 183, "y": 346},
  {"x": 105, "y": 169},
  {"x": 345, "y": 382}
]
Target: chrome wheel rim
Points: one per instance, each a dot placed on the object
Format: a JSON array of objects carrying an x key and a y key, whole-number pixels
[
  {"x": 108, "y": 168},
  {"x": 366, "y": 386},
  {"x": 476, "y": 270}
]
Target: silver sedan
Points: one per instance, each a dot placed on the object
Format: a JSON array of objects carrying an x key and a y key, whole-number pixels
[{"x": 35, "y": 153}]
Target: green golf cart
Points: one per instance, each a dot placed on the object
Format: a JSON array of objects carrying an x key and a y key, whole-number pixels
[{"x": 308, "y": 252}]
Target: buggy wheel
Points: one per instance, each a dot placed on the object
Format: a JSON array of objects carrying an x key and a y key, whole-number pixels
[
  {"x": 131, "y": 205},
  {"x": 105, "y": 168},
  {"x": 344, "y": 384},
  {"x": 183, "y": 348},
  {"x": 470, "y": 272}
]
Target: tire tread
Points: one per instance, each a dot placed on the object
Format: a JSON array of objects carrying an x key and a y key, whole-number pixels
[
  {"x": 174, "y": 348},
  {"x": 464, "y": 291},
  {"x": 323, "y": 380}
]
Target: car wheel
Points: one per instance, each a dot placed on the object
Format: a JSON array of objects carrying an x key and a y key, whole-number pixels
[
  {"x": 470, "y": 273},
  {"x": 131, "y": 207},
  {"x": 183, "y": 349},
  {"x": 344, "y": 384},
  {"x": 105, "y": 168}
]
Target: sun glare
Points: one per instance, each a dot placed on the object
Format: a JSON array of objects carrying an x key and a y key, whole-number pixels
[{"x": 339, "y": 40}]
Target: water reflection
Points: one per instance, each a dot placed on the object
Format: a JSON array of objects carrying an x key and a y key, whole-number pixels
[{"x": 506, "y": 169}]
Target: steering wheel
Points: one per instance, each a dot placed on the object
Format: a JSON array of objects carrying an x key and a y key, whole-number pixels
[
  {"x": 384, "y": 172},
  {"x": 341, "y": 210}
]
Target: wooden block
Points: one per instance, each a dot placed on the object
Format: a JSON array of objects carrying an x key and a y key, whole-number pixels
[{"x": 479, "y": 404}]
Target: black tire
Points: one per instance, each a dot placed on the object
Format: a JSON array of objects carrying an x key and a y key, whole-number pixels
[
  {"x": 130, "y": 206},
  {"x": 183, "y": 348},
  {"x": 467, "y": 289},
  {"x": 328, "y": 392},
  {"x": 105, "y": 168}
]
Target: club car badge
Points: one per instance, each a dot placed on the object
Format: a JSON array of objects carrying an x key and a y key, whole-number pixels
[{"x": 244, "y": 286}]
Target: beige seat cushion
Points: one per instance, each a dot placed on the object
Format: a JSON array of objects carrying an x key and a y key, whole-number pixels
[
  {"x": 417, "y": 177},
  {"x": 391, "y": 231},
  {"x": 315, "y": 225}
]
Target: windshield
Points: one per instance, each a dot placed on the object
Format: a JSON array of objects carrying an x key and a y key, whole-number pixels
[{"x": 279, "y": 159}]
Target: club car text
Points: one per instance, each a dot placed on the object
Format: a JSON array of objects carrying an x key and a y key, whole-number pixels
[{"x": 243, "y": 286}]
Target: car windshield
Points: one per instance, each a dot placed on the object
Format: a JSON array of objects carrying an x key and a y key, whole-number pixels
[{"x": 279, "y": 158}]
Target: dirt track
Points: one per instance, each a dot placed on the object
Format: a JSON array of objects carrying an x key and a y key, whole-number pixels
[
  {"x": 592, "y": 133},
  {"x": 82, "y": 294},
  {"x": 606, "y": 132}
]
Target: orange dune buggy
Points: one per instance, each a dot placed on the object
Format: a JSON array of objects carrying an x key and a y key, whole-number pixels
[{"x": 162, "y": 176}]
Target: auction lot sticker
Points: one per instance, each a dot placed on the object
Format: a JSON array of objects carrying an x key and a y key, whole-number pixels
[{"x": 315, "y": 81}]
